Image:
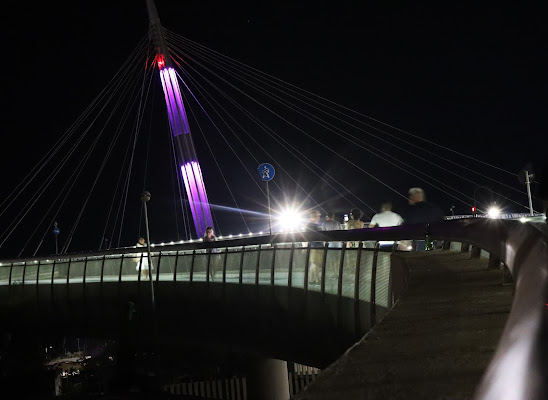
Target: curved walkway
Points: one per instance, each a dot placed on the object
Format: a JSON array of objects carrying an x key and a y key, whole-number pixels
[{"x": 434, "y": 344}]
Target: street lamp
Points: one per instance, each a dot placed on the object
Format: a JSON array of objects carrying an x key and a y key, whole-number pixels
[
  {"x": 482, "y": 187},
  {"x": 145, "y": 197}
]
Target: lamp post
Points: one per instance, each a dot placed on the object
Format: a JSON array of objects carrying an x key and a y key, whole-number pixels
[
  {"x": 483, "y": 187},
  {"x": 145, "y": 197}
]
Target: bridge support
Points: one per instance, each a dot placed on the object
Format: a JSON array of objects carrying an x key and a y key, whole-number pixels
[
  {"x": 268, "y": 380},
  {"x": 476, "y": 252}
]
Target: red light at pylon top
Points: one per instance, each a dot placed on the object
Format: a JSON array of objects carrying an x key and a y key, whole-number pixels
[
  {"x": 160, "y": 59},
  {"x": 473, "y": 209}
]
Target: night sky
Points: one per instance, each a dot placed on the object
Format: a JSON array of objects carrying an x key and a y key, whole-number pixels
[{"x": 467, "y": 77}]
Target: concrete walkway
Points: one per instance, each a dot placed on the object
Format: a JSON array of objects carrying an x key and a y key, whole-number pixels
[{"x": 434, "y": 344}]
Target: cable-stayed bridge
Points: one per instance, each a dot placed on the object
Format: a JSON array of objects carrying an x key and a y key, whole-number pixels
[{"x": 327, "y": 157}]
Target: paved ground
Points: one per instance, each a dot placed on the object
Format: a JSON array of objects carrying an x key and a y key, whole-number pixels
[{"x": 434, "y": 344}]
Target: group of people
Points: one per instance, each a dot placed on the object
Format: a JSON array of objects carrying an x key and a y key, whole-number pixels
[{"x": 419, "y": 211}]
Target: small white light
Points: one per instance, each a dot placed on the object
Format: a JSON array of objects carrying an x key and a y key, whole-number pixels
[
  {"x": 250, "y": 233},
  {"x": 261, "y": 232},
  {"x": 409, "y": 247},
  {"x": 190, "y": 240},
  {"x": 240, "y": 235},
  {"x": 162, "y": 244},
  {"x": 37, "y": 261},
  {"x": 171, "y": 243},
  {"x": 152, "y": 245},
  {"x": 201, "y": 239},
  {"x": 523, "y": 219},
  {"x": 0, "y": 264},
  {"x": 220, "y": 237},
  {"x": 230, "y": 235},
  {"x": 182, "y": 241}
]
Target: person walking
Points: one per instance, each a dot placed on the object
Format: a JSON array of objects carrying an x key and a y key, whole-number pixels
[
  {"x": 384, "y": 219},
  {"x": 209, "y": 236},
  {"x": 142, "y": 260},
  {"x": 316, "y": 258}
]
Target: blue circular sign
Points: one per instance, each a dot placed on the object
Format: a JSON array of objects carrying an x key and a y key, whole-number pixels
[
  {"x": 56, "y": 231},
  {"x": 266, "y": 172}
]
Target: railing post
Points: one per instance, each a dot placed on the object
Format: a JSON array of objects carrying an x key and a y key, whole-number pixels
[
  {"x": 324, "y": 262},
  {"x": 476, "y": 252},
  {"x": 257, "y": 265},
  {"x": 224, "y": 264},
  {"x": 372, "y": 304},
  {"x": 357, "y": 274},
  {"x": 103, "y": 268},
  {"x": 175, "y": 266},
  {"x": 307, "y": 261},
  {"x": 11, "y": 269},
  {"x": 191, "y": 277},
  {"x": 121, "y": 269},
  {"x": 446, "y": 245},
  {"x": 24, "y": 272},
  {"x": 241, "y": 277},
  {"x": 208, "y": 263},
  {"x": 273, "y": 264},
  {"x": 464, "y": 247},
  {"x": 84, "y": 273},
  {"x": 157, "y": 267},
  {"x": 341, "y": 269},
  {"x": 290, "y": 270},
  {"x": 68, "y": 270},
  {"x": 494, "y": 262}
]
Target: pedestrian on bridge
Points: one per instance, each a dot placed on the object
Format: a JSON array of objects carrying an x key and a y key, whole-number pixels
[
  {"x": 209, "y": 236},
  {"x": 421, "y": 212},
  {"x": 331, "y": 224},
  {"x": 316, "y": 255},
  {"x": 355, "y": 222},
  {"x": 142, "y": 260}
]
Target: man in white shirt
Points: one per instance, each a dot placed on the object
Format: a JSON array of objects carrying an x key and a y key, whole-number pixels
[{"x": 386, "y": 217}]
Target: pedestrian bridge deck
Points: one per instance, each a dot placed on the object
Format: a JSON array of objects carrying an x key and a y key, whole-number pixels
[{"x": 435, "y": 343}]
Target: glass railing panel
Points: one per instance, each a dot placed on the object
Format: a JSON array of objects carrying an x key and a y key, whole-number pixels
[
  {"x": 76, "y": 272},
  {"x": 130, "y": 266},
  {"x": 155, "y": 259},
  {"x": 366, "y": 267},
  {"x": 349, "y": 272},
  {"x": 382, "y": 283},
  {"x": 111, "y": 270},
  {"x": 332, "y": 266},
  {"x": 265, "y": 265},
  {"x": 250, "y": 264},
  {"x": 5, "y": 274},
  {"x": 233, "y": 264},
  {"x": 93, "y": 269},
  {"x": 17, "y": 274},
  {"x": 167, "y": 266},
  {"x": 44, "y": 274},
  {"x": 60, "y": 272},
  {"x": 184, "y": 261},
  {"x": 299, "y": 262},
  {"x": 31, "y": 274},
  {"x": 281, "y": 264},
  {"x": 200, "y": 266},
  {"x": 315, "y": 266}
]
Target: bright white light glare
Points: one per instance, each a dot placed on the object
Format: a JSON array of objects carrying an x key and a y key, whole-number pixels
[
  {"x": 493, "y": 212},
  {"x": 152, "y": 245},
  {"x": 261, "y": 232},
  {"x": 523, "y": 219},
  {"x": 190, "y": 240},
  {"x": 162, "y": 244},
  {"x": 290, "y": 219},
  {"x": 240, "y": 235},
  {"x": 230, "y": 235},
  {"x": 250, "y": 233},
  {"x": 220, "y": 237},
  {"x": 171, "y": 243},
  {"x": 409, "y": 247}
]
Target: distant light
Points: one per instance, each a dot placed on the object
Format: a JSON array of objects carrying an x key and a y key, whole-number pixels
[
  {"x": 37, "y": 261},
  {"x": 190, "y": 240},
  {"x": 220, "y": 237},
  {"x": 152, "y": 245},
  {"x": 182, "y": 241},
  {"x": 171, "y": 243},
  {"x": 523, "y": 219},
  {"x": 409, "y": 247},
  {"x": 240, "y": 235},
  {"x": 230, "y": 235},
  {"x": 162, "y": 244},
  {"x": 0, "y": 264},
  {"x": 289, "y": 219},
  {"x": 493, "y": 212},
  {"x": 250, "y": 233},
  {"x": 261, "y": 232}
]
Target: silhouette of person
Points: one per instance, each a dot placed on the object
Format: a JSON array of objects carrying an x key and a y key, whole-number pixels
[{"x": 142, "y": 260}]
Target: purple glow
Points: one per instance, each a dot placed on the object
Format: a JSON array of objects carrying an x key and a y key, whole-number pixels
[
  {"x": 196, "y": 194},
  {"x": 175, "y": 107}
]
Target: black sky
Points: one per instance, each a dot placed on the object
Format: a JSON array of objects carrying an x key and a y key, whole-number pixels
[{"x": 468, "y": 77}]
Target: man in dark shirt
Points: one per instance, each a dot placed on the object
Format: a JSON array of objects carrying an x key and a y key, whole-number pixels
[{"x": 420, "y": 211}]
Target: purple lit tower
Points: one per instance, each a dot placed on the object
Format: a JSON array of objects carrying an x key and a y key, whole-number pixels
[{"x": 184, "y": 146}]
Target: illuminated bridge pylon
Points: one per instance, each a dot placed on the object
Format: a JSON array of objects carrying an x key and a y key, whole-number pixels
[{"x": 187, "y": 159}]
